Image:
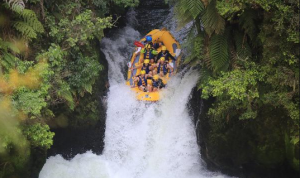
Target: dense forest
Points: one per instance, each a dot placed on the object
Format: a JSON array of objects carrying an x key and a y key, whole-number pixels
[
  {"x": 247, "y": 54},
  {"x": 49, "y": 62}
]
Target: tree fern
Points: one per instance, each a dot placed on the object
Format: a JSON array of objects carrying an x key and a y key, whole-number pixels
[
  {"x": 247, "y": 22},
  {"x": 26, "y": 30},
  {"x": 30, "y": 17},
  {"x": 219, "y": 51},
  {"x": 241, "y": 45},
  {"x": 204, "y": 76},
  {"x": 212, "y": 20},
  {"x": 195, "y": 47},
  {"x": 65, "y": 92},
  {"x": 30, "y": 26},
  {"x": 7, "y": 60},
  {"x": 188, "y": 10}
]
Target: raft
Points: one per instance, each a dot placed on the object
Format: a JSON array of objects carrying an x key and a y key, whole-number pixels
[{"x": 158, "y": 36}]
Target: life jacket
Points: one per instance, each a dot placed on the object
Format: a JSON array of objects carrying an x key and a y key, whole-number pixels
[
  {"x": 162, "y": 68},
  {"x": 142, "y": 81},
  {"x": 146, "y": 68},
  {"x": 148, "y": 54}
]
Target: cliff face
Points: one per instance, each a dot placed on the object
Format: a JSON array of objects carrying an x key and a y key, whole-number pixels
[{"x": 248, "y": 148}]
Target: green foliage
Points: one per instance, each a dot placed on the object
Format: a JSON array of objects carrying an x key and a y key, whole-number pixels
[
  {"x": 39, "y": 135},
  {"x": 230, "y": 8},
  {"x": 30, "y": 26},
  {"x": 189, "y": 9},
  {"x": 242, "y": 47},
  {"x": 49, "y": 64},
  {"x": 236, "y": 89},
  {"x": 219, "y": 52},
  {"x": 7, "y": 60},
  {"x": 249, "y": 61},
  {"x": 126, "y": 3},
  {"x": 86, "y": 70},
  {"x": 78, "y": 31},
  {"x": 30, "y": 102},
  {"x": 196, "y": 43},
  {"x": 212, "y": 20},
  {"x": 247, "y": 22}
]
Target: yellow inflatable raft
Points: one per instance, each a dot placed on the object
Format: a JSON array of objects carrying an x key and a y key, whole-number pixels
[{"x": 158, "y": 36}]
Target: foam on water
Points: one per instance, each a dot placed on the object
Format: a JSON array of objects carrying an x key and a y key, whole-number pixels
[{"x": 142, "y": 140}]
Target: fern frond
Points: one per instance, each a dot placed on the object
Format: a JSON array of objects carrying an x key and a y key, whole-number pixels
[
  {"x": 247, "y": 22},
  {"x": 204, "y": 76},
  {"x": 65, "y": 93},
  {"x": 195, "y": 7},
  {"x": 195, "y": 46},
  {"x": 212, "y": 20},
  {"x": 187, "y": 10},
  {"x": 219, "y": 51},
  {"x": 7, "y": 61},
  {"x": 25, "y": 29},
  {"x": 31, "y": 26},
  {"x": 241, "y": 45},
  {"x": 30, "y": 17}
]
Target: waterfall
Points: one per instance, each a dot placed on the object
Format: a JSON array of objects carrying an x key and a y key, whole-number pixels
[{"x": 142, "y": 140}]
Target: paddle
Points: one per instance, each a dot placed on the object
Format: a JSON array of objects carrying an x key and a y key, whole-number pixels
[{"x": 138, "y": 44}]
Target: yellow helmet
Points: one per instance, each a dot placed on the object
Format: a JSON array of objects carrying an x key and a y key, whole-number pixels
[
  {"x": 146, "y": 61},
  {"x": 143, "y": 72},
  {"x": 163, "y": 48},
  {"x": 162, "y": 59},
  {"x": 155, "y": 77}
]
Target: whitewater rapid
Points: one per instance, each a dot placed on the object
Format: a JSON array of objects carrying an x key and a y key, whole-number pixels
[{"x": 142, "y": 140}]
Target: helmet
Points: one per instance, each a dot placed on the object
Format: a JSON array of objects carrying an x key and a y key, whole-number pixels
[
  {"x": 163, "y": 48},
  {"x": 143, "y": 72},
  {"x": 162, "y": 59},
  {"x": 146, "y": 61},
  {"x": 148, "y": 38},
  {"x": 155, "y": 77}
]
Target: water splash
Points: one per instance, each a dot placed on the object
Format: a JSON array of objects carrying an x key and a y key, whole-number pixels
[{"x": 142, "y": 140}]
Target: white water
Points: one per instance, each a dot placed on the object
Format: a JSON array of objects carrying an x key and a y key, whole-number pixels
[{"x": 142, "y": 140}]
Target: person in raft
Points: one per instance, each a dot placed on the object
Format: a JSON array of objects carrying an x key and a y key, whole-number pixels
[
  {"x": 149, "y": 53},
  {"x": 146, "y": 66},
  {"x": 163, "y": 67},
  {"x": 157, "y": 84},
  {"x": 165, "y": 53},
  {"x": 141, "y": 81},
  {"x": 148, "y": 40}
]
